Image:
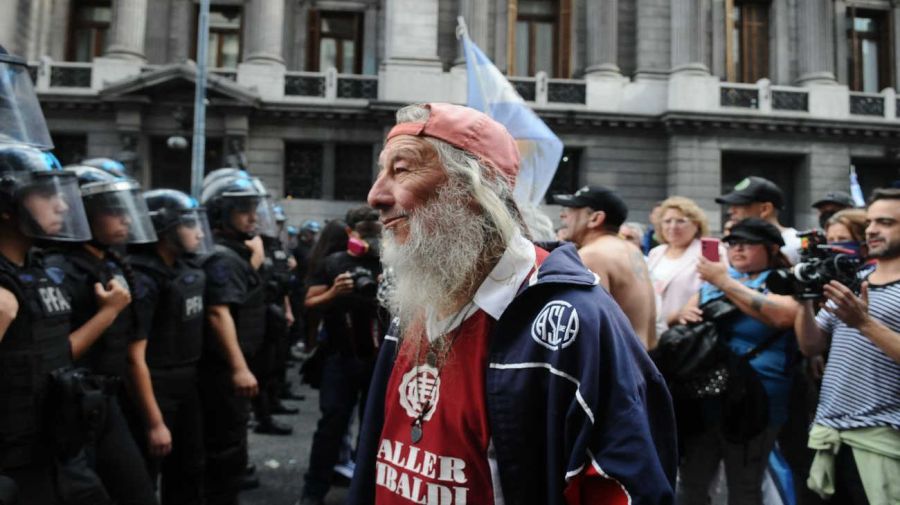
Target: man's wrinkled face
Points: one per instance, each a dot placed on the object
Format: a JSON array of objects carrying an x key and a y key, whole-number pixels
[
  {"x": 575, "y": 222},
  {"x": 883, "y": 229},
  {"x": 410, "y": 175}
]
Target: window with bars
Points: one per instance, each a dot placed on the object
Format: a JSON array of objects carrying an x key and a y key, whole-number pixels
[
  {"x": 335, "y": 41},
  {"x": 353, "y": 171},
  {"x": 303, "y": 170},
  {"x": 868, "y": 40},
  {"x": 540, "y": 38},
  {"x": 224, "y": 49},
  {"x": 747, "y": 40},
  {"x": 88, "y": 29}
]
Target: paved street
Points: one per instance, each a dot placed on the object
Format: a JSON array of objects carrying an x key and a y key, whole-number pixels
[{"x": 281, "y": 461}]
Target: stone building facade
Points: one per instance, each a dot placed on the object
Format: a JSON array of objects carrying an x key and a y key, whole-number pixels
[{"x": 652, "y": 97}]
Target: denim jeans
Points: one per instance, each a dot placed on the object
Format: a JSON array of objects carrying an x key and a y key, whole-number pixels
[{"x": 345, "y": 383}]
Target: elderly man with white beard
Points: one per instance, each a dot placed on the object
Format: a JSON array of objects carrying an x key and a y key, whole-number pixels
[{"x": 509, "y": 375}]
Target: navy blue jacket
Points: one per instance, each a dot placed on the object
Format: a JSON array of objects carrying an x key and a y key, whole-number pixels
[{"x": 568, "y": 385}]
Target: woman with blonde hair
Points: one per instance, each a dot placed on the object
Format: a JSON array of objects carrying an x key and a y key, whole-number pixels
[
  {"x": 673, "y": 264},
  {"x": 848, "y": 225}
]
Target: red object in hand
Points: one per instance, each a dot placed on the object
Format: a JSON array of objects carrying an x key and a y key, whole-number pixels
[{"x": 709, "y": 248}]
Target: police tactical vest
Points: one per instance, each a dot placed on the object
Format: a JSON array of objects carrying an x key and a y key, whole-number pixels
[
  {"x": 175, "y": 336},
  {"x": 276, "y": 273},
  {"x": 36, "y": 343},
  {"x": 249, "y": 315},
  {"x": 109, "y": 353}
]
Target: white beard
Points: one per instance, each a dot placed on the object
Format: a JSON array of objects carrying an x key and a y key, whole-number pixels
[{"x": 447, "y": 244}]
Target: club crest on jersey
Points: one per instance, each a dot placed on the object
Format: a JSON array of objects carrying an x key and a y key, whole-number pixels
[
  {"x": 556, "y": 326},
  {"x": 419, "y": 389}
]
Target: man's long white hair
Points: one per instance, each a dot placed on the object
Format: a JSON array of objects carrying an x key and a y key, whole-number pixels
[{"x": 463, "y": 229}]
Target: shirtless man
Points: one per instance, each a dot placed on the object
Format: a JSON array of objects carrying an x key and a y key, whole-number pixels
[{"x": 591, "y": 218}]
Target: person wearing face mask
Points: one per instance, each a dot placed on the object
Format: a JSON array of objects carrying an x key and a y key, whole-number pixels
[
  {"x": 100, "y": 283},
  {"x": 169, "y": 304},
  {"x": 343, "y": 288},
  {"x": 831, "y": 203}
]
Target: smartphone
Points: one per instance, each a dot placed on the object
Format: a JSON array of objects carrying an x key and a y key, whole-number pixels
[{"x": 709, "y": 248}]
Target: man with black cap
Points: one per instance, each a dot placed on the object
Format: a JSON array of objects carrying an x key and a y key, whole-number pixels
[
  {"x": 592, "y": 217},
  {"x": 832, "y": 203},
  {"x": 762, "y": 198}
]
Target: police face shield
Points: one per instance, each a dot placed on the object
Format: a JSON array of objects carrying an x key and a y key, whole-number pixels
[
  {"x": 117, "y": 213},
  {"x": 50, "y": 207},
  {"x": 21, "y": 119},
  {"x": 193, "y": 234},
  {"x": 265, "y": 218}
]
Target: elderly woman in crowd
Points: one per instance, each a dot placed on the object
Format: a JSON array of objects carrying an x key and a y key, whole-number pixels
[
  {"x": 673, "y": 264},
  {"x": 753, "y": 253}
]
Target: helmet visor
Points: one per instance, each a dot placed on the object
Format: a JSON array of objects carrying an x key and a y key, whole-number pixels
[
  {"x": 193, "y": 232},
  {"x": 50, "y": 208},
  {"x": 265, "y": 218},
  {"x": 118, "y": 213},
  {"x": 21, "y": 119}
]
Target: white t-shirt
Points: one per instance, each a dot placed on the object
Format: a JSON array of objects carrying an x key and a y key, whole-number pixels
[{"x": 791, "y": 247}]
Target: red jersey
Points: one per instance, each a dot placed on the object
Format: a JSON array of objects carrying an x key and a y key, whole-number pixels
[{"x": 449, "y": 465}]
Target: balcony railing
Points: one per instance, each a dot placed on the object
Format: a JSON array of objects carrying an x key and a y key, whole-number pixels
[
  {"x": 790, "y": 99},
  {"x": 744, "y": 96},
  {"x": 526, "y": 87},
  {"x": 331, "y": 85},
  {"x": 867, "y": 104},
  {"x": 542, "y": 90}
]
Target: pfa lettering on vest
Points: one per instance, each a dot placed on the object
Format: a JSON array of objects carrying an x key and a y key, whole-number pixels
[
  {"x": 53, "y": 300},
  {"x": 193, "y": 306},
  {"x": 556, "y": 326}
]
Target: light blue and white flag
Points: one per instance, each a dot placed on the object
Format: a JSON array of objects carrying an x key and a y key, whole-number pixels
[
  {"x": 490, "y": 92},
  {"x": 855, "y": 189}
]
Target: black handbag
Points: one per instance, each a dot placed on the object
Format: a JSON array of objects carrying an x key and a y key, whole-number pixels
[
  {"x": 691, "y": 352},
  {"x": 745, "y": 403}
]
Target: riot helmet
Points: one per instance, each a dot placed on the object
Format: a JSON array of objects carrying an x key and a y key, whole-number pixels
[
  {"x": 111, "y": 166},
  {"x": 180, "y": 220},
  {"x": 40, "y": 195},
  {"x": 265, "y": 222},
  {"x": 280, "y": 216},
  {"x": 115, "y": 209},
  {"x": 21, "y": 119},
  {"x": 223, "y": 172},
  {"x": 230, "y": 194}
]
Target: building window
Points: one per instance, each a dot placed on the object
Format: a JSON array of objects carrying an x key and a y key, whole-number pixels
[
  {"x": 353, "y": 171},
  {"x": 335, "y": 41},
  {"x": 69, "y": 148},
  {"x": 171, "y": 168},
  {"x": 868, "y": 38},
  {"x": 88, "y": 28},
  {"x": 540, "y": 40},
  {"x": 303, "y": 170},
  {"x": 224, "y": 36},
  {"x": 567, "y": 179},
  {"x": 747, "y": 39}
]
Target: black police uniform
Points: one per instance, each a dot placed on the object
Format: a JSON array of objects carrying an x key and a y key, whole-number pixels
[
  {"x": 36, "y": 343},
  {"x": 232, "y": 281},
  {"x": 270, "y": 365},
  {"x": 168, "y": 301},
  {"x": 115, "y": 453}
]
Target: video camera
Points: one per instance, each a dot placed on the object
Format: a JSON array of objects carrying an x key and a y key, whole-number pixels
[{"x": 819, "y": 264}]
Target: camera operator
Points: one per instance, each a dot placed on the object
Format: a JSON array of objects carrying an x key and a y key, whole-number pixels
[
  {"x": 344, "y": 289},
  {"x": 858, "y": 417}
]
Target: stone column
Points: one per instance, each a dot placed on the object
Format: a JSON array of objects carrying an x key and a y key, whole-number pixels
[
  {"x": 181, "y": 31},
  {"x": 688, "y": 36},
  {"x": 816, "y": 42},
  {"x": 653, "y": 34},
  {"x": 9, "y": 22},
  {"x": 475, "y": 13},
  {"x": 411, "y": 71},
  {"x": 603, "y": 37},
  {"x": 127, "y": 30},
  {"x": 265, "y": 26}
]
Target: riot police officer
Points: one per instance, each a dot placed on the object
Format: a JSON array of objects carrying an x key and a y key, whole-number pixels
[
  {"x": 168, "y": 301},
  {"x": 236, "y": 319},
  {"x": 106, "y": 335},
  {"x": 38, "y": 200}
]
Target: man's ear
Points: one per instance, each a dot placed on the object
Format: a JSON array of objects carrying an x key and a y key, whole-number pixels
[
  {"x": 598, "y": 217},
  {"x": 766, "y": 210}
]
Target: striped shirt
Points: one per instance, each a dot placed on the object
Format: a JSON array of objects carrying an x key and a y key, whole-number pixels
[{"x": 861, "y": 386}]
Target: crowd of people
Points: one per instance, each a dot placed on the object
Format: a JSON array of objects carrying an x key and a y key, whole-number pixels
[{"x": 141, "y": 330}]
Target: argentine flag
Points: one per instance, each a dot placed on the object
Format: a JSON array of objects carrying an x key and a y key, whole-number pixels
[{"x": 490, "y": 92}]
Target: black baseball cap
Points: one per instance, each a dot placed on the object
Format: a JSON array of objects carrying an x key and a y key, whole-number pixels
[
  {"x": 755, "y": 229},
  {"x": 597, "y": 198},
  {"x": 753, "y": 189},
  {"x": 837, "y": 197}
]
